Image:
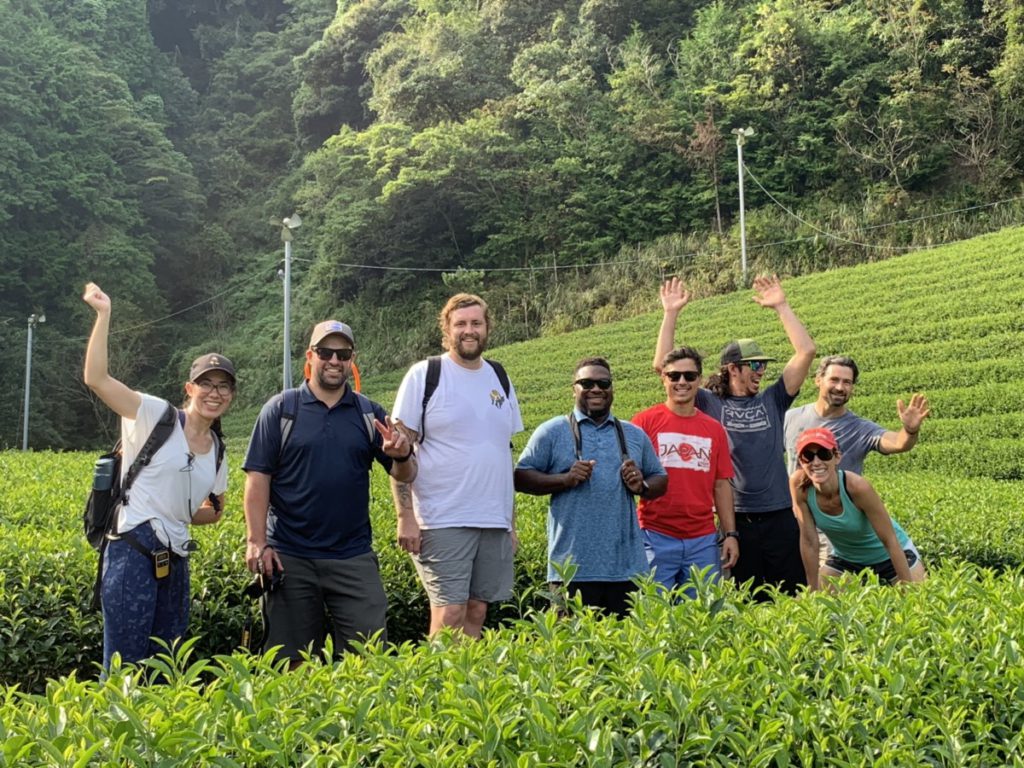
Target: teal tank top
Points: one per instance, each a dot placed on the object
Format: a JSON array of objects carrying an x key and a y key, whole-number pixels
[{"x": 850, "y": 532}]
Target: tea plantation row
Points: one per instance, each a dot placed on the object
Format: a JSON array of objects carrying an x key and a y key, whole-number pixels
[{"x": 930, "y": 675}]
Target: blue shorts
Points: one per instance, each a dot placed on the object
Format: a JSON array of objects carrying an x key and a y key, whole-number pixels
[{"x": 672, "y": 558}]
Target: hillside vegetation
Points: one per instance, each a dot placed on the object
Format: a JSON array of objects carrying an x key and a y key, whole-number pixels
[
  {"x": 929, "y": 675},
  {"x": 507, "y": 146}
]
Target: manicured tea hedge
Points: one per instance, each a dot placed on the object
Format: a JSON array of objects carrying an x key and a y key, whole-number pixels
[
  {"x": 947, "y": 322},
  {"x": 930, "y": 675}
]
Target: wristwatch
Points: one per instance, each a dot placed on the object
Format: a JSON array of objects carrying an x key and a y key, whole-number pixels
[{"x": 729, "y": 535}]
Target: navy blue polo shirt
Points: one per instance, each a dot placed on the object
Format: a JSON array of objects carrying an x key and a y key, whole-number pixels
[{"x": 320, "y": 486}]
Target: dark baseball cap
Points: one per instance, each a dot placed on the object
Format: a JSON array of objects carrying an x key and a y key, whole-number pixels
[
  {"x": 211, "y": 362},
  {"x": 744, "y": 351},
  {"x": 328, "y": 328}
]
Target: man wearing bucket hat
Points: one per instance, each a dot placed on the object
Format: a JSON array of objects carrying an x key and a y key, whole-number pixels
[
  {"x": 753, "y": 419},
  {"x": 307, "y": 494}
]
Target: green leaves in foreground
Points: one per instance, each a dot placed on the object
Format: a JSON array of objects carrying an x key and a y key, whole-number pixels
[{"x": 879, "y": 676}]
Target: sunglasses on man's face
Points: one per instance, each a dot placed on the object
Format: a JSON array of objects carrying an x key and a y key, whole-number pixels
[
  {"x": 674, "y": 376},
  {"x": 326, "y": 353},
  {"x": 757, "y": 366},
  {"x": 588, "y": 384},
  {"x": 807, "y": 455}
]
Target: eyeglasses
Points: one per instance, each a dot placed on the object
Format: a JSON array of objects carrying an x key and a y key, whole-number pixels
[
  {"x": 588, "y": 384},
  {"x": 224, "y": 388},
  {"x": 674, "y": 376},
  {"x": 807, "y": 455},
  {"x": 757, "y": 366},
  {"x": 326, "y": 353}
]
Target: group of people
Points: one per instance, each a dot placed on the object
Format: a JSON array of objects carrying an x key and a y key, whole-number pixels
[{"x": 696, "y": 484}]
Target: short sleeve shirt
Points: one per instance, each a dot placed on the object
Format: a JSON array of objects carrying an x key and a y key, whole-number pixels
[
  {"x": 755, "y": 429},
  {"x": 465, "y": 459},
  {"x": 320, "y": 483},
  {"x": 593, "y": 525},
  {"x": 174, "y": 484},
  {"x": 694, "y": 450},
  {"x": 856, "y": 436}
]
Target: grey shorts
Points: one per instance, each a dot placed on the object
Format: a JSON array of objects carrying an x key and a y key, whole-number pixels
[
  {"x": 457, "y": 565},
  {"x": 344, "y": 597}
]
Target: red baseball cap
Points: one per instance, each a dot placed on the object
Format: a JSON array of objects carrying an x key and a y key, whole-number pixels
[{"x": 818, "y": 436}]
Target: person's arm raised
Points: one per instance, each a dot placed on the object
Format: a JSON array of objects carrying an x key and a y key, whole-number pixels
[
  {"x": 674, "y": 297},
  {"x": 912, "y": 416},
  {"x": 769, "y": 294},
  {"x": 121, "y": 399}
]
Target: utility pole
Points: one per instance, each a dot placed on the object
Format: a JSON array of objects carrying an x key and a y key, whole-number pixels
[
  {"x": 33, "y": 321},
  {"x": 287, "y": 225},
  {"x": 741, "y": 134}
]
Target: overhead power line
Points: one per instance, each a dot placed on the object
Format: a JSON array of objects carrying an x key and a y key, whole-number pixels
[{"x": 837, "y": 236}]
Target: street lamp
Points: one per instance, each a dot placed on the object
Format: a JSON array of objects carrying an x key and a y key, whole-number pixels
[
  {"x": 741, "y": 134},
  {"x": 287, "y": 225},
  {"x": 33, "y": 321}
]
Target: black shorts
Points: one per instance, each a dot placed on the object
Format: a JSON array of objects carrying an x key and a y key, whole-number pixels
[{"x": 885, "y": 570}]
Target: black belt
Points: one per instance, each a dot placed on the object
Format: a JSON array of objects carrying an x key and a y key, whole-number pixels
[
  {"x": 759, "y": 517},
  {"x": 135, "y": 544}
]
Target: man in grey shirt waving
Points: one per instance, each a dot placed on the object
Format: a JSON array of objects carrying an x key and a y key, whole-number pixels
[{"x": 836, "y": 377}]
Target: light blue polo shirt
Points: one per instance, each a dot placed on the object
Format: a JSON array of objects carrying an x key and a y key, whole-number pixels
[{"x": 595, "y": 523}]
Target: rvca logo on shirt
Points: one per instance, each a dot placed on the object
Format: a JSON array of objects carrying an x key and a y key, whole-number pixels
[{"x": 750, "y": 419}]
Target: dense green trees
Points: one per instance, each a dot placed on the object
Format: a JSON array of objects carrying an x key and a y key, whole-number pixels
[{"x": 149, "y": 145}]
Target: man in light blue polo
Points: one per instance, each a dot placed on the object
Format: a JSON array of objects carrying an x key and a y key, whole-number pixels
[{"x": 593, "y": 466}]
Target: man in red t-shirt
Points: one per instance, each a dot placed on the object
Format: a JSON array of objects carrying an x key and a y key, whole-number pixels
[{"x": 679, "y": 528}]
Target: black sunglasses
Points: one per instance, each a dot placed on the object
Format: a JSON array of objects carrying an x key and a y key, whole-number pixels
[
  {"x": 757, "y": 366},
  {"x": 588, "y": 384},
  {"x": 326, "y": 353},
  {"x": 807, "y": 455},
  {"x": 674, "y": 376}
]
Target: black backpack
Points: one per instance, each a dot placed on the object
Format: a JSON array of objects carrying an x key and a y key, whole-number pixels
[
  {"x": 434, "y": 376},
  {"x": 290, "y": 412},
  {"x": 100, "y": 516}
]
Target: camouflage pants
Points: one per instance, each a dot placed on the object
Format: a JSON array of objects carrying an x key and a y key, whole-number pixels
[{"x": 136, "y": 605}]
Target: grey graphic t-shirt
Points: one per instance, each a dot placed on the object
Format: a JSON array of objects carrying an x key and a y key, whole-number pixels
[{"x": 755, "y": 429}]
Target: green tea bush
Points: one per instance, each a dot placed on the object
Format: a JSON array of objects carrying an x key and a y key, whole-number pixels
[
  {"x": 928, "y": 675},
  {"x": 946, "y": 322}
]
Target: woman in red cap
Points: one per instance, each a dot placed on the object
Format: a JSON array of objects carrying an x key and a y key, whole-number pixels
[
  {"x": 145, "y": 577},
  {"x": 849, "y": 511}
]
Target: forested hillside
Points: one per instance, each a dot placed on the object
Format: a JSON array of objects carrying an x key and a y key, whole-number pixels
[{"x": 150, "y": 146}]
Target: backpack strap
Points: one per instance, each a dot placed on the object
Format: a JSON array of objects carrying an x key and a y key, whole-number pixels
[
  {"x": 622, "y": 438},
  {"x": 429, "y": 386},
  {"x": 219, "y": 445},
  {"x": 578, "y": 438},
  {"x": 366, "y": 408},
  {"x": 499, "y": 370},
  {"x": 289, "y": 412},
  {"x": 434, "y": 376},
  {"x": 161, "y": 431},
  {"x": 156, "y": 439}
]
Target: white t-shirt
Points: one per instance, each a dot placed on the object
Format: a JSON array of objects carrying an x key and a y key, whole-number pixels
[
  {"x": 465, "y": 464},
  {"x": 173, "y": 486}
]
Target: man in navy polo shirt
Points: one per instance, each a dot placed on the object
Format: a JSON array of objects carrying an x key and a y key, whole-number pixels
[{"x": 307, "y": 501}]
